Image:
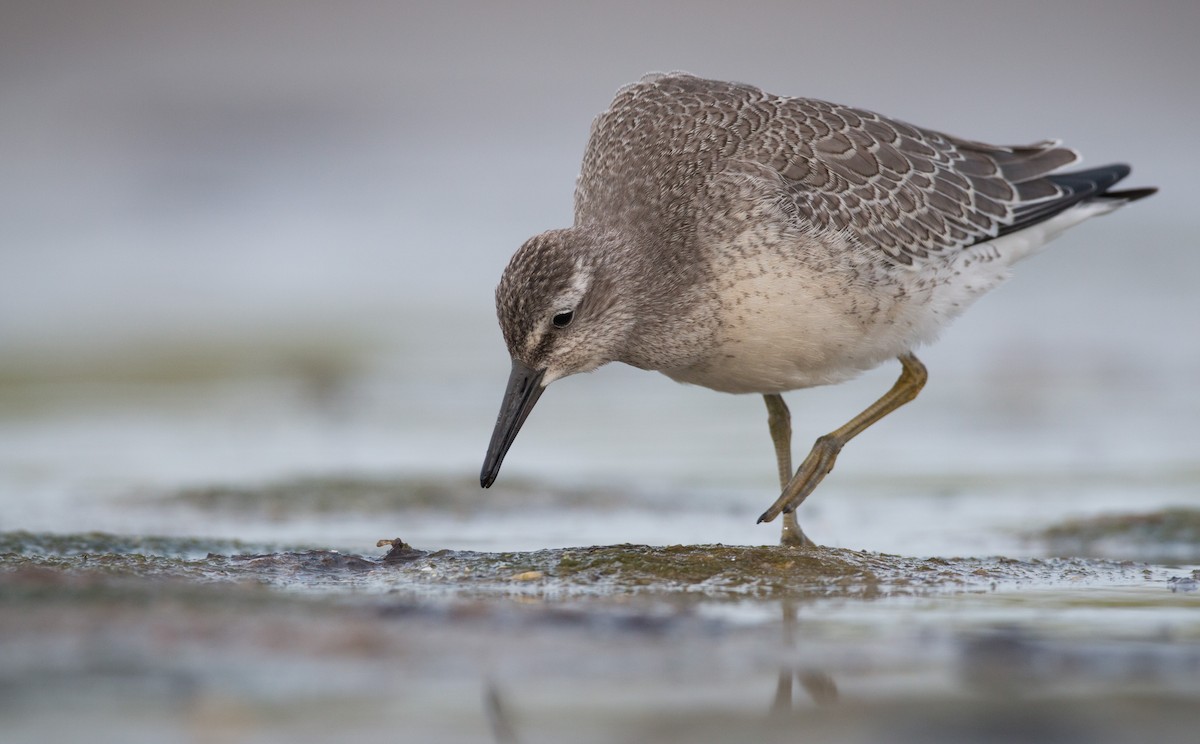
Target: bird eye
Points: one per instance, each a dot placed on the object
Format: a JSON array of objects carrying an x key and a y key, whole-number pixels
[{"x": 562, "y": 320}]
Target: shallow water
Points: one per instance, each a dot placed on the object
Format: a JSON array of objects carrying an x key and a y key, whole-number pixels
[{"x": 159, "y": 639}]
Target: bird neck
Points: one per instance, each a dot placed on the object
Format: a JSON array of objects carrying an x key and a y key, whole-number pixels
[{"x": 672, "y": 318}]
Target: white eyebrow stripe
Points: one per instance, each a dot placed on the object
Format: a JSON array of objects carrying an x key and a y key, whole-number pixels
[{"x": 580, "y": 280}]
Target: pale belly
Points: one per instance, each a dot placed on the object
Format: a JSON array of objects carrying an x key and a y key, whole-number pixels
[
  {"x": 774, "y": 357},
  {"x": 797, "y": 311},
  {"x": 781, "y": 334}
]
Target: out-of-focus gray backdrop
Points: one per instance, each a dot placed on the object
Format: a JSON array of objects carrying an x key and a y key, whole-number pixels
[{"x": 321, "y": 196}]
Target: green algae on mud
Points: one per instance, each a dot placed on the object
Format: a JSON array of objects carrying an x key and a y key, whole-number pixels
[
  {"x": 713, "y": 570},
  {"x": 739, "y": 572}
]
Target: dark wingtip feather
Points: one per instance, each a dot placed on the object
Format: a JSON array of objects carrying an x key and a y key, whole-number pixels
[
  {"x": 1076, "y": 187},
  {"x": 1131, "y": 194},
  {"x": 1090, "y": 182}
]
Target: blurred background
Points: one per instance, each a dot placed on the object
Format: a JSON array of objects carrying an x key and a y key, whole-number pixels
[{"x": 250, "y": 241}]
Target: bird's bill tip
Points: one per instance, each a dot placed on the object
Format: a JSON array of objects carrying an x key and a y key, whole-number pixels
[{"x": 521, "y": 393}]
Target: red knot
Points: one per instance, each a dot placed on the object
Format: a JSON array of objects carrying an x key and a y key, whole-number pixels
[{"x": 754, "y": 243}]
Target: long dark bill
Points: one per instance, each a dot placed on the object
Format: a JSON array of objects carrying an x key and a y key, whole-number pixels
[{"x": 523, "y": 390}]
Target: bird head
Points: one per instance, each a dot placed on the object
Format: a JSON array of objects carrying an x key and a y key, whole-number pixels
[{"x": 561, "y": 313}]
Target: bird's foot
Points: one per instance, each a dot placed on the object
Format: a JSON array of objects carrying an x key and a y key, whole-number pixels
[
  {"x": 812, "y": 471},
  {"x": 792, "y": 536}
]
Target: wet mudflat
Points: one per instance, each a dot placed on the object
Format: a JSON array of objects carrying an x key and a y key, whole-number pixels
[{"x": 190, "y": 638}]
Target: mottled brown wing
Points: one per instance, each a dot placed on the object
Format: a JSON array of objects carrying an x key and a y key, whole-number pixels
[
  {"x": 906, "y": 190},
  {"x": 909, "y": 191}
]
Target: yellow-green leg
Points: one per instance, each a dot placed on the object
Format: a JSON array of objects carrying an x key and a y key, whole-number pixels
[
  {"x": 779, "y": 419},
  {"x": 825, "y": 451}
]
